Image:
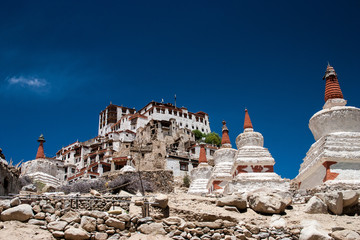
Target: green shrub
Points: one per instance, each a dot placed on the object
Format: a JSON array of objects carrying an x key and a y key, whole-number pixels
[{"x": 186, "y": 181}]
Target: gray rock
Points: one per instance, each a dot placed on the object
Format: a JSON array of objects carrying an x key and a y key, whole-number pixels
[
  {"x": 145, "y": 220},
  {"x": 235, "y": 201},
  {"x": 161, "y": 200},
  {"x": 334, "y": 201},
  {"x": 216, "y": 236},
  {"x": 315, "y": 205},
  {"x": 21, "y": 213},
  {"x": 101, "y": 236},
  {"x": 40, "y": 216},
  {"x": 15, "y": 202},
  {"x": 88, "y": 223},
  {"x": 76, "y": 234},
  {"x": 5, "y": 204},
  {"x": 37, "y": 222},
  {"x": 266, "y": 202},
  {"x": 57, "y": 225},
  {"x": 213, "y": 225},
  {"x": 350, "y": 198},
  {"x": 36, "y": 208},
  {"x": 58, "y": 234},
  {"x": 98, "y": 214},
  {"x": 345, "y": 235},
  {"x": 124, "y": 217},
  {"x": 70, "y": 216},
  {"x": 312, "y": 231},
  {"x": 48, "y": 208},
  {"x": 152, "y": 228},
  {"x": 112, "y": 222},
  {"x": 114, "y": 237}
]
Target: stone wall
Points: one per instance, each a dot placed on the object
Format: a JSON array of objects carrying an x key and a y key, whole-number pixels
[
  {"x": 161, "y": 180},
  {"x": 9, "y": 179}
]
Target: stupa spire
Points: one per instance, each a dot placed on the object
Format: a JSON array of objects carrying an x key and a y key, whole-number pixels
[
  {"x": 247, "y": 121},
  {"x": 225, "y": 140},
  {"x": 332, "y": 87},
  {"x": 40, "y": 151},
  {"x": 202, "y": 156}
]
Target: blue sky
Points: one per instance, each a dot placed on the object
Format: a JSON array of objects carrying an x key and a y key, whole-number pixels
[{"x": 62, "y": 62}]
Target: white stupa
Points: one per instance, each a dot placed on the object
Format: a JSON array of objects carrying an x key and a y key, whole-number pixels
[
  {"x": 200, "y": 175},
  {"x": 254, "y": 166},
  {"x": 335, "y": 156},
  {"x": 223, "y": 162}
]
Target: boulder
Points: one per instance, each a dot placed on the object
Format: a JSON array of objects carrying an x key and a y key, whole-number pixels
[
  {"x": 101, "y": 236},
  {"x": 70, "y": 216},
  {"x": 350, "y": 198},
  {"x": 313, "y": 231},
  {"x": 152, "y": 228},
  {"x": 334, "y": 201},
  {"x": 37, "y": 222},
  {"x": 48, "y": 208},
  {"x": 345, "y": 235},
  {"x": 5, "y": 204},
  {"x": 161, "y": 201},
  {"x": 76, "y": 234},
  {"x": 116, "y": 210},
  {"x": 315, "y": 205},
  {"x": 15, "y": 202},
  {"x": 58, "y": 234},
  {"x": 277, "y": 222},
  {"x": 112, "y": 222},
  {"x": 88, "y": 223},
  {"x": 40, "y": 216},
  {"x": 57, "y": 225},
  {"x": 98, "y": 214},
  {"x": 36, "y": 208},
  {"x": 266, "y": 202},
  {"x": 235, "y": 201},
  {"x": 21, "y": 213}
]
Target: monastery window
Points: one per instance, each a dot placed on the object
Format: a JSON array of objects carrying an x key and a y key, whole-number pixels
[
  {"x": 183, "y": 166},
  {"x": 180, "y": 114},
  {"x": 143, "y": 154},
  {"x": 197, "y": 128},
  {"x": 202, "y": 130},
  {"x": 162, "y": 111},
  {"x": 127, "y": 146},
  {"x": 212, "y": 152},
  {"x": 193, "y": 151},
  {"x": 185, "y": 115},
  {"x": 158, "y": 110},
  {"x": 187, "y": 125},
  {"x": 195, "y": 165},
  {"x": 181, "y": 124},
  {"x": 73, "y": 170},
  {"x": 68, "y": 155}
]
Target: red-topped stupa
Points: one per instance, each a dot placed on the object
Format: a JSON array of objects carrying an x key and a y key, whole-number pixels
[
  {"x": 335, "y": 155},
  {"x": 40, "y": 151}
]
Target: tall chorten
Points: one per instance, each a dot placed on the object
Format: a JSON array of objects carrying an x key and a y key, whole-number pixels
[
  {"x": 40, "y": 151},
  {"x": 200, "y": 175},
  {"x": 335, "y": 156},
  {"x": 223, "y": 162},
  {"x": 254, "y": 166}
]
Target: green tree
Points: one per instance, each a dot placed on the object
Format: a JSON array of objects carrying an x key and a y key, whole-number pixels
[
  {"x": 198, "y": 135},
  {"x": 213, "y": 138}
]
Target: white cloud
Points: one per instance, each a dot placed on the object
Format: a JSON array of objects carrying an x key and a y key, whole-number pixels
[{"x": 28, "y": 82}]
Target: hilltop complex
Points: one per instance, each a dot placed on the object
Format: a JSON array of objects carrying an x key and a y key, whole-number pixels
[{"x": 158, "y": 136}]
